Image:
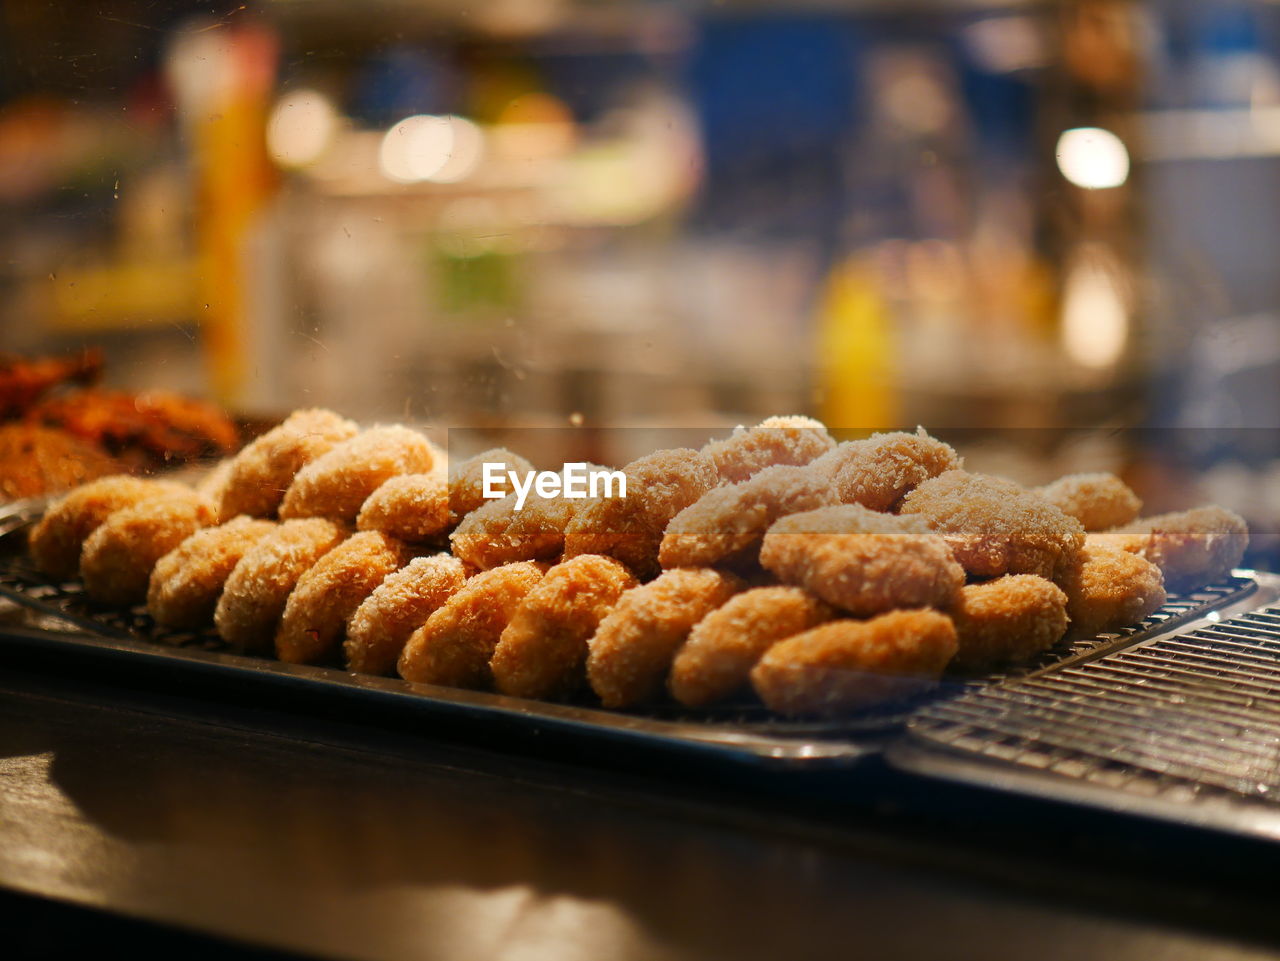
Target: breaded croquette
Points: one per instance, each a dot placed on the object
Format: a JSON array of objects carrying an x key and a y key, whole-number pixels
[
  {"x": 1007, "y": 621},
  {"x": 316, "y": 614},
  {"x": 466, "y": 480},
  {"x": 630, "y": 528},
  {"x": 723, "y": 647},
  {"x": 1098, "y": 501},
  {"x": 846, "y": 665},
  {"x": 262, "y": 472},
  {"x": 412, "y": 507},
  {"x": 212, "y": 484},
  {"x": 863, "y": 561},
  {"x": 398, "y": 606},
  {"x": 631, "y": 652},
  {"x": 186, "y": 583},
  {"x": 118, "y": 557},
  {"x": 728, "y": 522},
  {"x": 1108, "y": 588},
  {"x": 338, "y": 483},
  {"x": 255, "y": 593},
  {"x": 775, "y": 441},
  {"x": 995, "y": 526},
  {"x": 1192, "y": 548},
  {"x": 498, "y": 533},
  {"x": 453, "y": 648},
  {"x": 542, "y": 652},
  {"x": 879, "y": 471}
]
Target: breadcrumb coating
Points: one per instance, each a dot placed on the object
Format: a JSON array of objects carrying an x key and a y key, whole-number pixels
[
  {"x": 466, "y": 480},
  {"x": 1193, "y": 548},
  {"x": 879, "y": 471},
  {"x": 774, "y": 441},
  {"x": 412, "y": 507},
  {"x": 399, "y": 606},
  {"x": 845, "y": 665},
  {"x": 1098, "y": 501},
  {"x": 1108, "y": 588},
  {"x": 214, "y": 482},
  {"x": 1007, "y": 621},
  {"x": 995, "y": 526},
  {"x": 542, "y": 652},
  {"x": 186, "y": 583},
  {"x": 716, "y": 661},
  {"x": 498, "y": 534}
]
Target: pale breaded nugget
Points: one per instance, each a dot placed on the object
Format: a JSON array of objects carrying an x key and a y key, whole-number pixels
[
  {"x": 724, "y": 646},
  {"x": 263, "y": 471},
  {"x": 1108, "y": 588},
  {"x": 412, "y": 507},
  {"x": 316, "y": 614},
  {"x": 212, "y": 484},
  {"x": 118, "y": 557},
  {"x": 846, "y": 665},
  {"x": 336, "y": 484},
  {"x": 728, "y": 522},
  {"x": 57, "y": 540},
  {"x": 453, "y": 648},
  {"x": 1192, "y": 548},
  {"x": 1007, "y": 621},
  {"x": 542, "y": 652},
  {"x": 879, "y": 471},
  {"x": 498, "y": 534},
  {"x": 1098, "y": 501},
  {"x": 466, "y": 480},
  {"x": 994, "y": 526},
  {"x": 255, "y": 593},
  {"x": 774, "y": 441},
  {"x": 631, "y": 652},
  {"x": 630, "y": 528},
  {"x": 400, "y": 605},
  {"x": 863, "y": 561},
  {"x": 186, "y": 583}
]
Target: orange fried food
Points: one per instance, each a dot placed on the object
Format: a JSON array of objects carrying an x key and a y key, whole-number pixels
[
  {"x": 212, "y": 484},
  {"x": 630, "y": 528},
  {"x": 263, "y": 471},
  {"x": 399, "y": 606},
  {"x": 1098, "y": 501},
  {"x": 863, "y": 561},
  {"x": 337, "y": 483},
  {"x": 315, "y": 616},
  {"x": 774, "y": 441},
  {"x": 1109, "y": 588},
  {"x": 498, "y": 533},
  {"x": 56, "y": 541},
  {"x": 454, "y": 647},
  {"x": 995, "y": 526},
  {"x": 1007, "y": 621},
  {"x": 723, "y": 647},
  {"x": 186, "y": 583},
  {"x": 847, "y": 665},
  {"x": 466, "y": 480},
  {"x": 254, "y": 596},
  {"x": 542, "y": 652},
  {"x": 412, "y": 507},
  {"x": 728, "y": 522},
  {"x": 118, "y": 557},
  {"x": 879, "y": 471},
  {"x": 631, "y": 652},
  {"x": 1192, "y": 548},
  {"x": 36, "y": 460}
]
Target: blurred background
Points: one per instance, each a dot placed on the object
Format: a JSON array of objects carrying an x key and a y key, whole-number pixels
[{"x": 1051, "y": 227}]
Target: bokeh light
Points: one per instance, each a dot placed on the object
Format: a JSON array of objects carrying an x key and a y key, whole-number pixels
[
  {"x": 301, "y": 128},
  {"x": 1092, "y": 158}
]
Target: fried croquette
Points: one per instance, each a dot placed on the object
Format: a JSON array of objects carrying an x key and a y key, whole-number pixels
[
  {"x": 57, "y": 540},
  {"x": 1192, "y": 548},
  {"x": 1098, "y": 501},
  {"x": 117, "y": 559},
  {"x": 264, "y": 469},
  {"x": 412, "y": 507},
  {"x": 453, "y": 648},
  {"x": 775, "y": 441},
  {"x": 336, "y": 484},
  {"x": 542, "y": 652},
  {"x": 498, "y": 533},
  {"x": 466, "y": 480},
  {"x": 723, "y": 647},
  {"x": 1108, "y": 588},
  {"x": 631, "y": 652},
  {"x": 879, "y": 471},
  {"x": 254, "y": 596},
  {"x": 399, "y": 606},
  {"x": 212, "y": 484},
  {"x": 847, "y": 665},
  {"x": 863, "y": 561},
  {"x": 994, "y": 526},
  {"x": 186, "y": 583},
  {"x": 316, "y": 614},
  {"x": 729, "y": 522},
  {"x": 630, "y": 528},
  {"x": 1007, "y": 621}
]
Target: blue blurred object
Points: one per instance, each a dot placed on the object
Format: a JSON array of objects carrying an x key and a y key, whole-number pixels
[{"x": 400, "y": 82}]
